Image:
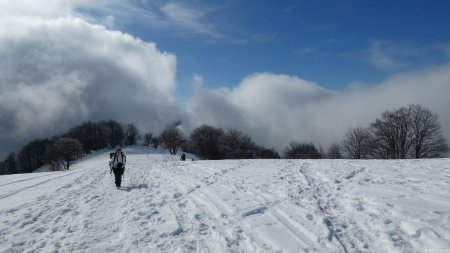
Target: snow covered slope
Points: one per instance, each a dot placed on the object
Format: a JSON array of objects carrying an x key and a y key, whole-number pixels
[{"x": 167, "y": 205}]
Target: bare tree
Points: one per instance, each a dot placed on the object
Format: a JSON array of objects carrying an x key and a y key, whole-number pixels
[
  {"x": 392, "y": 134},
  {"x": 172, "y": 138},
  {"x": 53, "y": 159},
  {"x": 131, "y": 134},
  {"x": 147, "y": 138},
  {"x": 114, "y": 132},
  {"x": 407, "y": 132},
  {"x": 97, "y": 135},
  {"x": 266, "y": 153},
  {"x": 427, "y": 140},
  {"x": 297, "y": 150},
  {"x": 10, "y": 164},
  {"x": 63, "y": 152},
  {"x": 31, "y": 155},
  {"x": 89, "y": 134},
  {"x": 334, "y": 151},
  {"x": 155, "y": 142},
  {"x": 236, "y": 145},
  {"x": 204, "y": 141},
  {"x": 2, "y": 168},
  {"x": 356, "y": 143}
]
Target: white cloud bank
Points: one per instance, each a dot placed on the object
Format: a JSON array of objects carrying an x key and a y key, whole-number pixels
[
  {"x": 57, "y": 70},
  {"x": 275, "y": 109}
]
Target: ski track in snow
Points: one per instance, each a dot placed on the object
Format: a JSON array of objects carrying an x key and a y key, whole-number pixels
[{"x": 166, "y": 205}]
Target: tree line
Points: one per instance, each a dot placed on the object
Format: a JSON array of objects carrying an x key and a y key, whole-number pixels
[
  {"x": 60, "y": 151},
  {"x": 407, "y": 132},
  {"x": 215, "y": 143}
]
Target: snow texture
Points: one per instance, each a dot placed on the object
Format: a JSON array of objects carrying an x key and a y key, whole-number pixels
[{"x": 167, "y": 205}]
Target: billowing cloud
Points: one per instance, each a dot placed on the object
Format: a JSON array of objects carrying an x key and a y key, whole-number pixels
[
  {"x": 275, "y": 109},
  {"x": 57, "y": 70}
]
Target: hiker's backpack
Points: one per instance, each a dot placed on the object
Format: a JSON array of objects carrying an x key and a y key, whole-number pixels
[{"x": 120, "y": 164}]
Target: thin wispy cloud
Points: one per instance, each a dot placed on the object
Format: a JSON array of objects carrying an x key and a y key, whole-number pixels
[
  {"x": 289, "y": 8},
  {"x": 117, "y": 14},
  {"x": 304, "y": 51},
  {"x": 263, "y": 37},
  {"x": 191, "y": 19},
  {"x": 179, "y": 17},
  {"x": 389, "y": 56},
  {"x": 384, "y": 56}
]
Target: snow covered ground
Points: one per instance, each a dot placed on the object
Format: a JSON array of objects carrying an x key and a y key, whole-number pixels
[{"x": 167, "y": 205}]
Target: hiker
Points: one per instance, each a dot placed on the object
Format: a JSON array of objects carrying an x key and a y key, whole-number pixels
[
  {"x": 118, "y": 166},
  {"x": 183, "y": 157}
]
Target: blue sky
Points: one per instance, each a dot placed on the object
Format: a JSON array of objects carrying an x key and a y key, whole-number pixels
[{"x": 332, "y": 43}]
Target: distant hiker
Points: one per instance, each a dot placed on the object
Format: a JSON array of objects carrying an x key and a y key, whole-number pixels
[
  {"x": 118, "y": 166},
  {"x": 110, "y": 158},
  {"x": 183, "y": 157}
]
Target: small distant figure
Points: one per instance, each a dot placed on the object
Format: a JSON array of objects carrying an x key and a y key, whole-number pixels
[
  {"x": 183, "y": 157},
  {"x": 117, "y": 165}
]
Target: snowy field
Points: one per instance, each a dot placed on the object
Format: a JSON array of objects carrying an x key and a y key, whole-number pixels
[{"x": 167, "y": 205}]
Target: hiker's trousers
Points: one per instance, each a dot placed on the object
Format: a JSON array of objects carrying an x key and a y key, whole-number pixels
[{"x": 118, "y": 172}]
